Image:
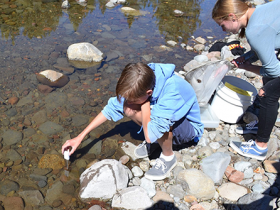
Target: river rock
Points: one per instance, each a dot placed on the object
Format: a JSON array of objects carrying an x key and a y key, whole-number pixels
[
  {"x": 13, "y": 203},
  {"x": 245, "y": 167},
  {"x": 110, "y": 4},
  {"x": 13, "y": 100},
  {"x": 196, "y": 183},
  {"x": 232, "y": 191},
  {"x": 55, "y": 100},
  {"x": 149, "y": 186},
  {"x": 103, "y": 179},
  {"x": 176, "y": 190},
  {"x": 109, "y": 147},
  {"x": 84, "y": 52},
  {"x": 52, "y": 78},
  {"x": 162, "y": 196},
  {"x": 40, "y": 117},
  {"x": 11, "y": 137},
  {"x": 200, "y": 40},
  {"x": 13, "y": 155},
  {"x": 32, "y": 197},
  {"x": 234, "y": 175},
  {"x": 45, "y": 89},
  {"x": 128, "y": 148},
  {"x": 215, "y": 165},
  {"x": 7, "y": 186},
  {"x": 79, "y": 120},
  {"x": 25, "y": 100},
  {"x": 199, "y": 47},
  {"x": 52, "y": 161},
  {"x": 54, "y": 193},
  {"x": 50, "y": 128},
  {"x": 132, "y": 198},
  {"x": 131, "y": 11}
]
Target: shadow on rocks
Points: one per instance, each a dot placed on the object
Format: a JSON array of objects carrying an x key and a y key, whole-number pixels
[
  {"x": 163, "y": 205},
  {"x": 121, "y": 129}
]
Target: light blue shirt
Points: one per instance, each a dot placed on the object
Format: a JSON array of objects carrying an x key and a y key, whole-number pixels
[
  {"x": 263, "y": 34},
  {"x": 173, "y": 98}
]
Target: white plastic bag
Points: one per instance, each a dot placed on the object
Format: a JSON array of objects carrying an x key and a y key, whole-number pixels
[{"x": 206, "y": 78}]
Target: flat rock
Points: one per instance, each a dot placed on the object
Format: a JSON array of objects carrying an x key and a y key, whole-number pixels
[
  {"x": 32, "y": 197},
  {"x": 50, "y": 128},
  {"x": 13, "y": 203},
  {"x": 132, "y": 198},
  {"x": 196, "y": 183},
  {"x": 232, "y": 191},
  {"x": 52, "y": 161},
  {"x": 11, "y": 137}
]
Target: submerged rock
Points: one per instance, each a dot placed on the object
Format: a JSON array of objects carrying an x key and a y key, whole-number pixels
[
  {"x": 52, "y": 78},
  {"x": 65, "y": 4},
  {"x": 84, "y": 52},
  {"x": 133, "y": 12}
]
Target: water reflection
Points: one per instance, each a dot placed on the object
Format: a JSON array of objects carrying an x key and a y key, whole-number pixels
[{"x": 39, "y": 18}]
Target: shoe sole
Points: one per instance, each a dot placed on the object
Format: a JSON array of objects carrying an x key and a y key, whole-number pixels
[
  {"x": 241, "y": 131},
  {"x": 138, "y": 156},
  {"x": 233, "y": 146},
  {"x": 151, "y": 177}
]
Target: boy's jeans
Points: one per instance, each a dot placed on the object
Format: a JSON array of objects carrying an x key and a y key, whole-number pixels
[{"x": 268, "y": 108}]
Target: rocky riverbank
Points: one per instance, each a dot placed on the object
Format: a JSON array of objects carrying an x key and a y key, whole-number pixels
[{"x": 35, "y": 123}]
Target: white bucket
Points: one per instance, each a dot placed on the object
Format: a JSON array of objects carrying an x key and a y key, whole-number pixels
[{"x": 228, "y": 105}]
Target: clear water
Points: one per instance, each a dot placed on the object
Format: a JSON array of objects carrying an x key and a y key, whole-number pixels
[
  {"x": 35, "y": 35},
  {"x": 32, "y": 31}
]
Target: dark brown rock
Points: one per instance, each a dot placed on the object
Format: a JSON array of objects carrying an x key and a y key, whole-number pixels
[{"x": 45, "y": 89}]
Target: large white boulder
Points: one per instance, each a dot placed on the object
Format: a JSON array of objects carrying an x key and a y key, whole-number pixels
[
  {"x": 103, "y": 179},
  {"x": 84, "y": 52}
]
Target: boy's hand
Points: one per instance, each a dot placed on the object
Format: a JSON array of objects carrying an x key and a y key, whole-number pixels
[{"x": 73, "y": 143}]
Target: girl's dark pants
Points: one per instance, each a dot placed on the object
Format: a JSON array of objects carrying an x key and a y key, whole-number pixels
[{"x": 268, "y": 108}]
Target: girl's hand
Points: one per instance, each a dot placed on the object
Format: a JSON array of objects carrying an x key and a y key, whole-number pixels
[{"x": 238, "y": 61}]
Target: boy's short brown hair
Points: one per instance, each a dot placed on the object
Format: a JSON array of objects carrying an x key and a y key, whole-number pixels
[{"x": 136, "y": 79}]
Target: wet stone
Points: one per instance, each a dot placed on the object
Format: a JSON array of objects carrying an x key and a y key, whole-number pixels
[
  {"x": 57, "y": 203},
  {"x": 38, "y": 139},
  {"x": 79, "y": 120},
  {"x": 13, "y": 155},
  {"x": 11, "y": 137},
  {"x": 13, "y": 100},
  {"x": 15, "y": 203},
  {"x": 51, "y": 161},
  {"x": 28, "y": 132},
  {"x": 5, "y": 122},
  {"x": 11, "y": 112},
  {"x": 68, "y": 189},
  {"x": 38, "y": 177},
  {"x": 77, "y": 101},
  {"x": 50, "y": 128},
  {"x": 8, "y": 186}
]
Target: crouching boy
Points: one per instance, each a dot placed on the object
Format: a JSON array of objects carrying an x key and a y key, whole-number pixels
[{"x": 164, "y": 104}]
